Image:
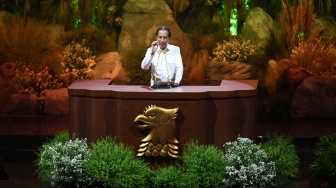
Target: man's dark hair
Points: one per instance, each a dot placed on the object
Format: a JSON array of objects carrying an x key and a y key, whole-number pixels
[{"x": 163, "y": 28}]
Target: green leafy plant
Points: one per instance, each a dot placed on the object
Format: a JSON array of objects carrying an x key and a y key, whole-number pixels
[
  {"x": 203, "y": 163},
  {"x": 323, "y": 166},
  {"x": 199, "y": 166},
  {"x": 172, "y": 177},
  {"x": 247, "y": 165},
  {"x": 281, "y": 150},
  {"x": 78, "y": 59},
  {"x": 115, "y": 165},
  {"x": 61, "y": 161}
]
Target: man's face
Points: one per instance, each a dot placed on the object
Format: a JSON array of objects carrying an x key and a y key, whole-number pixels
[{"x": 162, "y": 38}]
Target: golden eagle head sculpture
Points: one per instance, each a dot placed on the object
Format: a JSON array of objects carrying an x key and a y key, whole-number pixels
[{"x": 161, "y": 139}]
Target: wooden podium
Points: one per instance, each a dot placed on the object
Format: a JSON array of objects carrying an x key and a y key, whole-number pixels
[{"x": 209, "y": 114}]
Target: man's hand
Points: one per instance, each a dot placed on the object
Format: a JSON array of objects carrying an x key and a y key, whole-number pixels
[{"x": 155, "y": 45}]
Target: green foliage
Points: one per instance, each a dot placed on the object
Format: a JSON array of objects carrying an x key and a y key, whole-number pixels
[
  {"x": 172, "y": 177},
  {"x": 71, "y": 163},
  {"x": 115, "y": 165},
  {"x": 59, "y": 137},
  {"x": 203, "y": 163},
  {"x": 199, "y": 166},
  {"x": 131, "y": 61},
  {"x": 62, "y": 136},
  {"x": 323, "y": 166},
  {"x": 281, "y": 150}
]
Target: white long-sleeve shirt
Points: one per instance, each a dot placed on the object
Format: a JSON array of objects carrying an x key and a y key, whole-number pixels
[{"x": 164, "y": 65}]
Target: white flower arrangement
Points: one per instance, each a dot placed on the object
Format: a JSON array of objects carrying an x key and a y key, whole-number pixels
[
  {"x": 236, "y": 49},
  {"x": 247, "y": 165},
  {"x": 62, "y": 163},
  {"x": 78, "y": 59}
]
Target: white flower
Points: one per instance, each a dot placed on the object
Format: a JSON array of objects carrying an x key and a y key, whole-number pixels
[
  {"x": 64, "y": 161},
  {"x": 246, "y": 165}
]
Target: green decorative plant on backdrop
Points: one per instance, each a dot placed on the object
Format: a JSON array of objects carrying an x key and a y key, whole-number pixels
[{"x": 323, "y": 165}]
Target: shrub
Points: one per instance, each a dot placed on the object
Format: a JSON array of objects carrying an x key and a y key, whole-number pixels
[
  {"x": 61, "y": 161},
  {"x": 203, "y": 163},
  {"x": 282, "y": 152},
  {"x": 323, "y": 166},
  {"x": 115, "y": 165},
  {"x": 247, "y": 165},
  {"x": 31, "y": 78},
  {"x": 172, "y": 177},
  {"x": 236, "y": 49},
  {"x": 78, "y": 59},
  {"x": 318, "y": 56}
]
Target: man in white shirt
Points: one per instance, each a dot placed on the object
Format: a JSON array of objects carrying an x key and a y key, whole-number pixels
[{"x": 165, "y": 61}]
